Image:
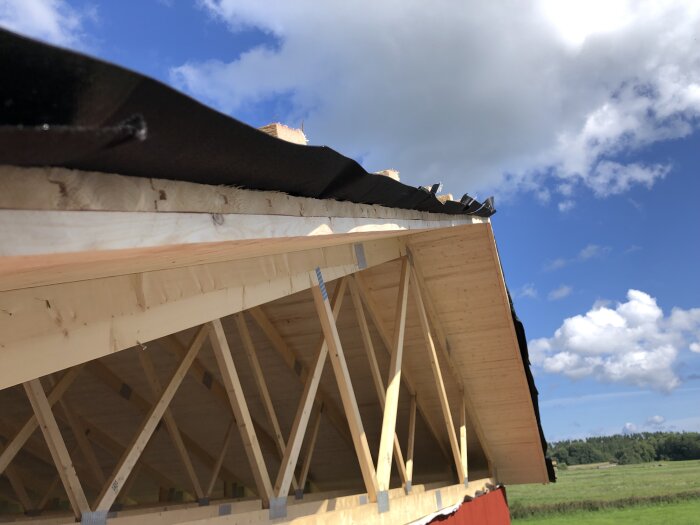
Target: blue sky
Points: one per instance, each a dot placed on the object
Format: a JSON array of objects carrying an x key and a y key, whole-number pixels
[{"x": 581, "y": 117}]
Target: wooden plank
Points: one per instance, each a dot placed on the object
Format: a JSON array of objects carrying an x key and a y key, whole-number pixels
[
  {"x": 170, "y": 423},
  {"x": 411, "y": 439},
  {"x": 222, "y": 352},
  {"x": 262, "y": 387},
  {"x": 439, "y": 383},
  {"x": 342, "y": 377},
  {"x": 374, "y": 370},
  {"x": 57, "y": 447},
  {"x": 463, "y": 437},
  {"x": 220, "y": 458},
  {"x": 306, "y": 403},
  {"x": 408, "y": 381},
  {"x": 306, "y": 463},
  {"x": 18, "y": 487},
  {"x": 293, "y": 362},
  {"x": 18, "y": 441},
  {"x": 138, "y": 443},
  {"x": 388, "y": 434}
]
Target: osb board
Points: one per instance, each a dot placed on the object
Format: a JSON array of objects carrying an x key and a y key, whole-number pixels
[{"x": 465, "y": 284}]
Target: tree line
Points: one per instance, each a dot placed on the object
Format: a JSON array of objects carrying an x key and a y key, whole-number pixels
[{"x": 626, "y": 449}]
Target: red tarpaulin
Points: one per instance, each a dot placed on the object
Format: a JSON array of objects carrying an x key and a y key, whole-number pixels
[{"x": 489, "y": 509}]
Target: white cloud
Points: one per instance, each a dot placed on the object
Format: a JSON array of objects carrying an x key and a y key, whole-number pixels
[
  {"x": 475, "y": 94},
  {"x": 590, "y": 251},
  {"x": 560, "y": 292},
  {"x": 527, "y": 290},
  {"x": 632, "y": 343},
  {"x": 566, "y": 205},
  {"x": 630, "y": 428},
  {"x": 54, "y": 21},
  {"x": 656, "y": 421}
]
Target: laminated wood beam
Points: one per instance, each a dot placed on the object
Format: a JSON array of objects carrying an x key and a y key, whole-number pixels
[
  {"x": 306, "y": 403},
  {"x": 262, "y": 387},
  {"x": 388, "y": 434},
  {"x": 18, "y": 487},
  {"x": 376, "y": 374},
  {"x": 135, "y": 448},
  {"x": 57, "y": 447},
  {"x": 411, "y": 439},
  {"x": 439, "y": 383},
  {"x": 220, "y": 459},
  {"x": 306, "y": 463},
  {"x": 121, "y": 388},
  {"x": 294, "y": 363},
  {"x": 202, "y": 375},
  {"x": 171, "y": 425},
  {"x": 342, "y": 377},
  {"x": 374, "y": 313},
  {"x": 229, "y": 375},
  {"x": 19, "y": 439}
]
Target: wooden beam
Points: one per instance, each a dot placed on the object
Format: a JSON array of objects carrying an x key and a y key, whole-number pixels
[
  {"x": 57, "y": 447},
  {"x": 19, "y": 439},
  {"x": 439, "y": 383},
  {"x": 222, "y": 352},
  {"x": 18, "y": 487},
  {"x": 135, "y": 448},
  {"x": 220, "y": 459},
  {"x": 306, "y": 402},
  {"x": 301, "y": 371},
  {"x": 374, "y": 313},
  {"x": 306, "y": 463},
  {"x": 342, "y": 377},
  {"x": 262, "y": 386},
  {"x": 411, "y": 439},
  {"x": 463, "y": 437},
  {"x": 171, "y": 425},
  {"x": 388, "y": 434},
  {"x": 119, "y": 386},
  {"x": 374, "y": 370},
  {"x": 49, "y": 492}
]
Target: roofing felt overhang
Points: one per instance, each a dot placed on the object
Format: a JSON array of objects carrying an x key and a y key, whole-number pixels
[{"x": 62, "y": 108}]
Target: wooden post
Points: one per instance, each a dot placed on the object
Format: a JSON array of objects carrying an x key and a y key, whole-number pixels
[
  {"x": 18, "y": 441},
  {"x": 309, "y": 453},
  {"x": 437, "y": 374},
  {"x": 463, "y": 439},
  {"x": 386, "y": 444},
  {"x": 133, "y": 451},
  {"x": 301, "y": 419},
  {"x": 171, "y": 425},
  {"x": 411, "y": 441},
  {"x": 220, "y": 459},
  {"x": 229, "y": 375},
  {"x": 342, "y": 377},
  {"x": 57, "y": 447},
  {"x": 262, "y": 386}
]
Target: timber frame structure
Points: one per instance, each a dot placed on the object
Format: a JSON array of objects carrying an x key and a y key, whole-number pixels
[{"x": 164, "y": 348}]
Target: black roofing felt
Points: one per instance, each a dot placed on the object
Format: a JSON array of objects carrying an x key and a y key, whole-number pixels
[{"x": 61, "y": 108}]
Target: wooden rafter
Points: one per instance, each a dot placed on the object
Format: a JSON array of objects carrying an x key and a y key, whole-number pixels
[
  {"x": 306, "y": 403},
  {"x": 18, "y": 487},
  {"x": 342, "y": 377},
  {"x": 388, "y": 435},
  {"x": 135, "y": 448},
  {"x": 21, "y": 437},
  {"x": 375, "y": 372},
  {"x": 306, "y": 463},
  {"x": 220, "y": 459},
  {"x": 293, "y": 361},
  {"x": 57, "y": 447},
  {"x": 463, "y": 436},
  {"x": 439, "y": 383},
  {"x": 171, "y": 425},
  {"x": 260, "y": 382},
  {"x": 411, "y": 439},
  {"x": 374, "y": 313},
  {"x": 222, "y": 352}
]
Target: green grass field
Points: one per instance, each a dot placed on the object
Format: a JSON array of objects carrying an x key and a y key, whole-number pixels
[{"x": 659, "y": 492}]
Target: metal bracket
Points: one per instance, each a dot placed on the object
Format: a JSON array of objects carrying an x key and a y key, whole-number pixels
[
  {"x": 383, "y": 501},
  {"x": 278, "y": 508},
  {"x": 94, "y": 518}
]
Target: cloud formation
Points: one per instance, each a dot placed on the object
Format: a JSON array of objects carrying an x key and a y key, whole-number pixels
[
  {"x": 632, "y": 343},
  {"x": 477, "y": 95},
  {"x": 590, "y": 251},
  {"x": 560, "y": 292},
  {"x": 53, "y": 21}
]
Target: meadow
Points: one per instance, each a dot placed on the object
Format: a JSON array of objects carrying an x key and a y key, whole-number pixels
[{"x": 657, "y": 492}]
